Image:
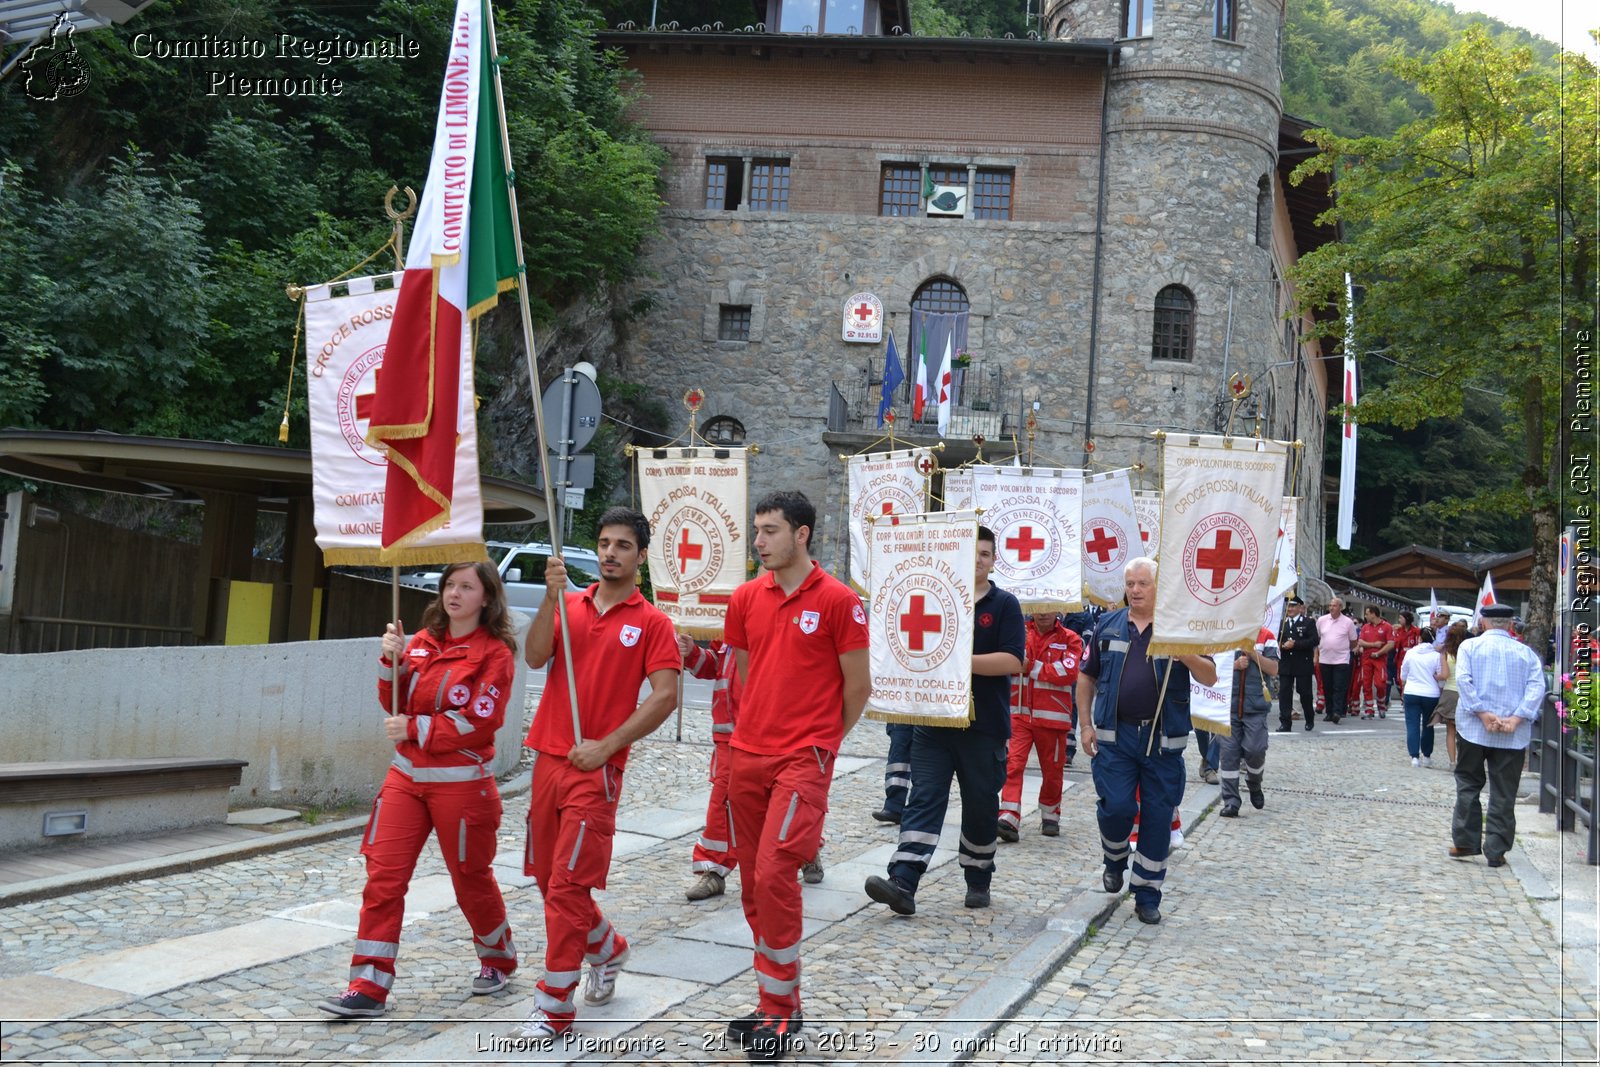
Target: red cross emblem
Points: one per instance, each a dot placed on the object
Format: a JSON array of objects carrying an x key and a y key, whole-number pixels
[
  {"x": 917, "y": 622},
  {"x": 1025, "y": 544},
  {"x": 863, "y": 311},
  {"x": 1101, "y": 544},
  {"x": 365, "y": 401},
  {"x": 687, "y": 550},
  {"x": 1220, "y": 558}
]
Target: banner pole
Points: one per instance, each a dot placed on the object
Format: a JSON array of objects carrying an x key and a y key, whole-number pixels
[
  {"x": 553, "y": 513},
  {"x": 394, "y": 613}
]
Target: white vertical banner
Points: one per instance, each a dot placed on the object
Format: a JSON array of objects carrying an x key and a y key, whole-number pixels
[
  {"x": 1036, "y": 514},
  {"x": 1284, "y": 574},
  {"x": 695, "y": 500},
  {"x": 923, "y": 569},
  {"x": 1347, "y": 448},
  {"x": 1209, "y": 704},
  {"x": 346, "y": 337},
  {"x": 1222, "y": 499},
  {"x": 883, "y": 483},
  {"x": 1110, "y": 535},
  {"x": 958, "y": 489},
  {"x": 1147, "y": 506}
]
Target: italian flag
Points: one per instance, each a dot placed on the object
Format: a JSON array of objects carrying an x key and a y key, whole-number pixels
[{"x": 461, "y": 258}]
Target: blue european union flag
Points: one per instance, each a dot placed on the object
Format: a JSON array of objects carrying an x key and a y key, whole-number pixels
[{"x": 893, "y": 375}]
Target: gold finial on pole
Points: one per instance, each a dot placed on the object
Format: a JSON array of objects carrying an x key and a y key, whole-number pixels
[
  {"x": 1238, "y": 393},
  {"x": 399, "y": 220},
  {"x": 1033, "y": 431},
  {"x": 977, "y": 441},
  {"x": 693, "y": 399}
]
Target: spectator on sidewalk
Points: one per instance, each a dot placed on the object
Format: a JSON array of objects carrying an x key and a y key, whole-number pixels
[
  {"x": 1445, "y": 712},
  {"x": 1406, "y": 636},
  {"x": 1247, "y": 719},
  {"x": 1336, "y": 640},
  {"x": 974, "y": 755},
  {"x": 618, "y": 640},
  {"x": 1140, "y": 711},
  {"x": 1422, "y": 670},
  {"x": 1297, "y": 647},
  {"x": 1501, "y": 681}
]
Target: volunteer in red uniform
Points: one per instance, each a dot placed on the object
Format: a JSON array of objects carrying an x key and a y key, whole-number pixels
[
  {"x": 1406, "y": 636},
  {"x": 1373, "y": 643},
  {"x": 619, "y": 640},
  {"x": 713, "y": 858},
  {"x": 1042, "y": 719},
  {"x": 455, "y": 677},
  {"x": 800, "y": 637}
]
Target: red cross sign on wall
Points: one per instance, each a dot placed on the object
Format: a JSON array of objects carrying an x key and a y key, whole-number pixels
[
  {"x": 863, "y": 311},
  {"x": 917, "y": 623}
]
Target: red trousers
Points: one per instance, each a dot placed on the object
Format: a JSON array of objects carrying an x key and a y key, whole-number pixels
[
  {"x": 466, "y": 818},
  {"x": 1373, "y": 685},
  {"x": 714, "y": 851},
  {"x": 572, "y": 817},
  {"x": 1051, "y": 744},
  {"x": 779, "y": 803}
]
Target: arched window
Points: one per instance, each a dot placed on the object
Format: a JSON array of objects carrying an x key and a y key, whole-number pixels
[
  {"x": 1264, "y": 212},
  {"x": 941, "y": 296},
  {"x": 1173, "y": 337},
  {"x": 723, "y": 430}
]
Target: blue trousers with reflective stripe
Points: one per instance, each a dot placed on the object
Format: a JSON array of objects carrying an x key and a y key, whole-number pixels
[
  {"x": 978, "y": 764},
  {"x": 897, "y": 769},
  {"x": 1134, "y": 782}
]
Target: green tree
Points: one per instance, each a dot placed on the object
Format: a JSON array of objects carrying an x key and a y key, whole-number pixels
[{"x": 1473, "y": 235}]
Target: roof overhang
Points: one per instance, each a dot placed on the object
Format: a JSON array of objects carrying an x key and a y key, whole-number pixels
[
  {"x": 163, "y": 468},
  {"x": 26, "y": 23}
]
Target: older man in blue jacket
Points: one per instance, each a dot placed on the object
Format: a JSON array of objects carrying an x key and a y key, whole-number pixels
[{"x": 1138, "y": 771}]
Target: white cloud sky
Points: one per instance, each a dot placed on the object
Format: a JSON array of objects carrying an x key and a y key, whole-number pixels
[{"x": 1566, "y": 22}]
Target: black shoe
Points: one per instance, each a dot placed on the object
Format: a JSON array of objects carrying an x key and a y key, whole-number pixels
[
  {"x": 1311, "y": 723},
  {"x": 1258, "y": 799},
  {"x": 1458, "y": 853},
  {"x": 1147, "y": 913},
  {"x": 1112, "y": 880},
  {"x": 352, "y": 1005},
  {"x": 901, "y": 899},
  {"x": 1493, "y": 861},
  {"x": 1007, "y": 833},
  {"x": 1229, "y": 811},
  {"x": 773, "y": 1037},
  {"x": 885, "y": 815},
  {"x": 1050, "y": 828},
  {"x": 1285, "y": 729},
  {"x": 979, "y": 898},
  {"x": 739, "y": 1029}
]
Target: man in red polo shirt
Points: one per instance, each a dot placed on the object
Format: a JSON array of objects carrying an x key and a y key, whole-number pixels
[
  {"x": 800, "y": 637},
  {"x": 619, "y": 639}
]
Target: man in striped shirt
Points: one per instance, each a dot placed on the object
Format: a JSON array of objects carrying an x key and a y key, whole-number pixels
[{"x": 1501, "y": 682}]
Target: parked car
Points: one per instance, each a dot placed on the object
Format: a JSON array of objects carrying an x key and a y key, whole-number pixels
[{"x": 521, "y": 567}]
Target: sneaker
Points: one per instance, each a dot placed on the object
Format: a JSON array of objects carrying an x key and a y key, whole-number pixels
[
  {"x": 1208, "y": 776},
  {"x": 1427, "y": 761},
  {"x": 977, "y": 898},
  {"x": 352, "y": 1005},
  {"x": 1177, "y": 839},
  {"x": 1050, "y": 828},
  {"x": 774, "y": 1036},
  {"x": 541, "y": 1029},
  {"x": 1415, "y": 762},
  {"x": 602, "y": 979},
  {"x": 489, "y": 980},
  {"x": 812, "y": 873},
  {"x": 1007, "y": 833},
  {"x": 709, "y": 884}
]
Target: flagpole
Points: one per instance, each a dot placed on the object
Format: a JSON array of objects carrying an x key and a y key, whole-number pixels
[{"x": 533, "y": 365}]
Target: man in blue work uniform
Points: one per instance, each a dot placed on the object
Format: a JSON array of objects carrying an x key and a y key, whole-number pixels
[
  {"x": 1138, "y": 771},
  {"x": 975, "y": 755}
]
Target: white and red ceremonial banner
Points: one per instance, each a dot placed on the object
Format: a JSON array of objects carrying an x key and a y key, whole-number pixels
[
  {"x": 923, "y": 569},
  {"x": 462, "y": 256},
  {"x": 883, "y": 483},
  {"x": 1222, "y": 497},
  {"x": 1347, "y": 423},
  {"x": 958, "y": 489},
  {"x": 1036, "y": 514},
  {"x": 695, "y": 499},
  {"x": 1147, "y": 506},
  {"x": 1284, "y": 575},
  {"x": 1209, "y": 704},
  {"x": 1110, "y": 535},
  {"x": 346, "y": 339}
]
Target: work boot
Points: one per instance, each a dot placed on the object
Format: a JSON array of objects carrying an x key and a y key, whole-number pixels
[{"x": 709, "y": 884}]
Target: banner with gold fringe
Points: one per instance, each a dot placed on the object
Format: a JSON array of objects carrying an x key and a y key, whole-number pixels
[
  {"x": 1036, "y": 514},
  {"x": 1147, "y": 506},
  {"x": 883, "y": 483},
  {"x": 923, "y": 573},
  {"x": 1209, "y": 704},
  {"x": 347, "y": 336},
  {"x": 1221, "y": 501},
  {"x": 695, "y": 501},
  {"x": 1110, "y": 535}
]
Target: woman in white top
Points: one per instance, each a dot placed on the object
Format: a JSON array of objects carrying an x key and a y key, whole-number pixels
[{"x": 1420, "y": 674}]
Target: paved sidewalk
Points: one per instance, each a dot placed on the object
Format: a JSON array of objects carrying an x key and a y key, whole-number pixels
[{"x": 1329, "y": 926}]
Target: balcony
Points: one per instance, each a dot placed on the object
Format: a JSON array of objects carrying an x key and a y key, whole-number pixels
[{"x": 983, "y": 405}]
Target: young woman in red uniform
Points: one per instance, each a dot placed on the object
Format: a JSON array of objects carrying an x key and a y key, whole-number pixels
[{"x": 455, "y": 682}]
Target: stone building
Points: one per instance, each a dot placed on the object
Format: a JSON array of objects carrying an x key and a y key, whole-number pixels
[{"x": 1121, "y": 230}]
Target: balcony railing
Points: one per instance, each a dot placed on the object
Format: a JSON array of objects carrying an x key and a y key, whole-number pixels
[{"x": 982, "y": 404}]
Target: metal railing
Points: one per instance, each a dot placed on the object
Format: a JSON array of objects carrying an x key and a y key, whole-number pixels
[
  {"x": 47, "y": 633},
  {"x": 1566, "y": 767},
  {"x": 983, "y": 403}
]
